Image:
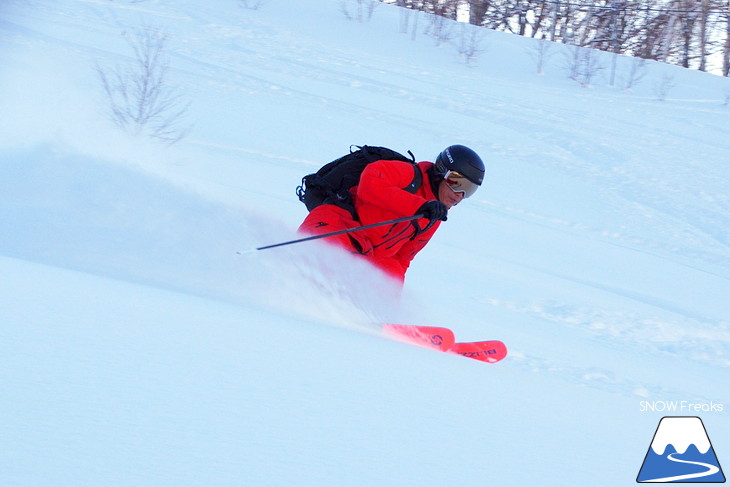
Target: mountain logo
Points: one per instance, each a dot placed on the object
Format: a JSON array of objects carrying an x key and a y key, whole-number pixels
[{"x": 680, "y": 452}]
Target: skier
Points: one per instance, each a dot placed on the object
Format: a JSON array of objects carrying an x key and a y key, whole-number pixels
[{"x": 380, "y": 196}]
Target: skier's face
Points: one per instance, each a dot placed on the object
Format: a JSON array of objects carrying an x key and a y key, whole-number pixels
[{"x": 448, "y": 196}]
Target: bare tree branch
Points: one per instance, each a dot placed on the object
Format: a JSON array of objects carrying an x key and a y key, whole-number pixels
[{"x": 139, "y": 95}]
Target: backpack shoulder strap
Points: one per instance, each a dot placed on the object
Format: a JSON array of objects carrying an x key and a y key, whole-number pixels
[{"x": 417, "y": 180}]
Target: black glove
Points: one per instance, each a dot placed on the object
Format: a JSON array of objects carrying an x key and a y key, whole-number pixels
[{"x": 433, "y": 210}]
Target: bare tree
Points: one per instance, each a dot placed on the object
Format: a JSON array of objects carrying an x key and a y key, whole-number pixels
[
  {"x": 583, "y": 65},
  {"x": 439, "y": 28},
  {"x": 637, "y": 71},
  {"x": 541, "y": 53},
  {"x": 469, "y": 42},
  {"x": 703, "y": 34},
  {"x": 359, "y": 10},
  {"x": 139, "y": 95},
  {"x": 252, "y": 4},
  {"x": 663, "y": 86},
  {"x": 684, "y": 32},
  {"x": 726, "y": 47},
  {"x": 477, "y": 11},
  {"x": 405, "y": 16}
]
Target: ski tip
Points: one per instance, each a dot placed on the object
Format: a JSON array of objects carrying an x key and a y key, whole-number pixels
[{"x": 490, "y": 351}]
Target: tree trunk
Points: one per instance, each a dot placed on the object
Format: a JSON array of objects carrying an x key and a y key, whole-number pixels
[{"x": 726, "y": 49}]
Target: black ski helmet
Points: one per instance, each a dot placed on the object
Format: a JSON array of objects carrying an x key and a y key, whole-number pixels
[{"x": 462, "y": 160}]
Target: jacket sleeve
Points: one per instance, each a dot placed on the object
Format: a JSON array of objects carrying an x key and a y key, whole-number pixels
[{"x": 382, "y": 183}]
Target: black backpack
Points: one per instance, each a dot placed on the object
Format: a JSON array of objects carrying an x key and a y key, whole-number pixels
[{"x": 332, "y": 183}]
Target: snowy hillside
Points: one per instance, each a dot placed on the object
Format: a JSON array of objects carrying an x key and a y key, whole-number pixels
[{"x": 140, "y": 344}]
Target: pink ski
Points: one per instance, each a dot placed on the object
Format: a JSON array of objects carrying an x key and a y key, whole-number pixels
[
  {"x": 442, "y": 339},
  {"x": 436, "y": 337}
]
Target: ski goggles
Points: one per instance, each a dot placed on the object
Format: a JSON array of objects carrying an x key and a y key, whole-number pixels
[{"x": 460, "y": 184}]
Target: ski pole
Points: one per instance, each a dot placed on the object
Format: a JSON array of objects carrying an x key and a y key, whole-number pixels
[{"x": 332, "y": 234}]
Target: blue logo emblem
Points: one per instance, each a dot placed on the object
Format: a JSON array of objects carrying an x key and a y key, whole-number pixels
[{"x": 680, "y": 452}]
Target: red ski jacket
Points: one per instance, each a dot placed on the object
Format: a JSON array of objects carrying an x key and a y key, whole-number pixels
[{"x": 380, "y": 196}]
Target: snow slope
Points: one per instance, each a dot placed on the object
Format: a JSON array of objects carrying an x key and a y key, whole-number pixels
[{"x": 139, "y": 348}]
